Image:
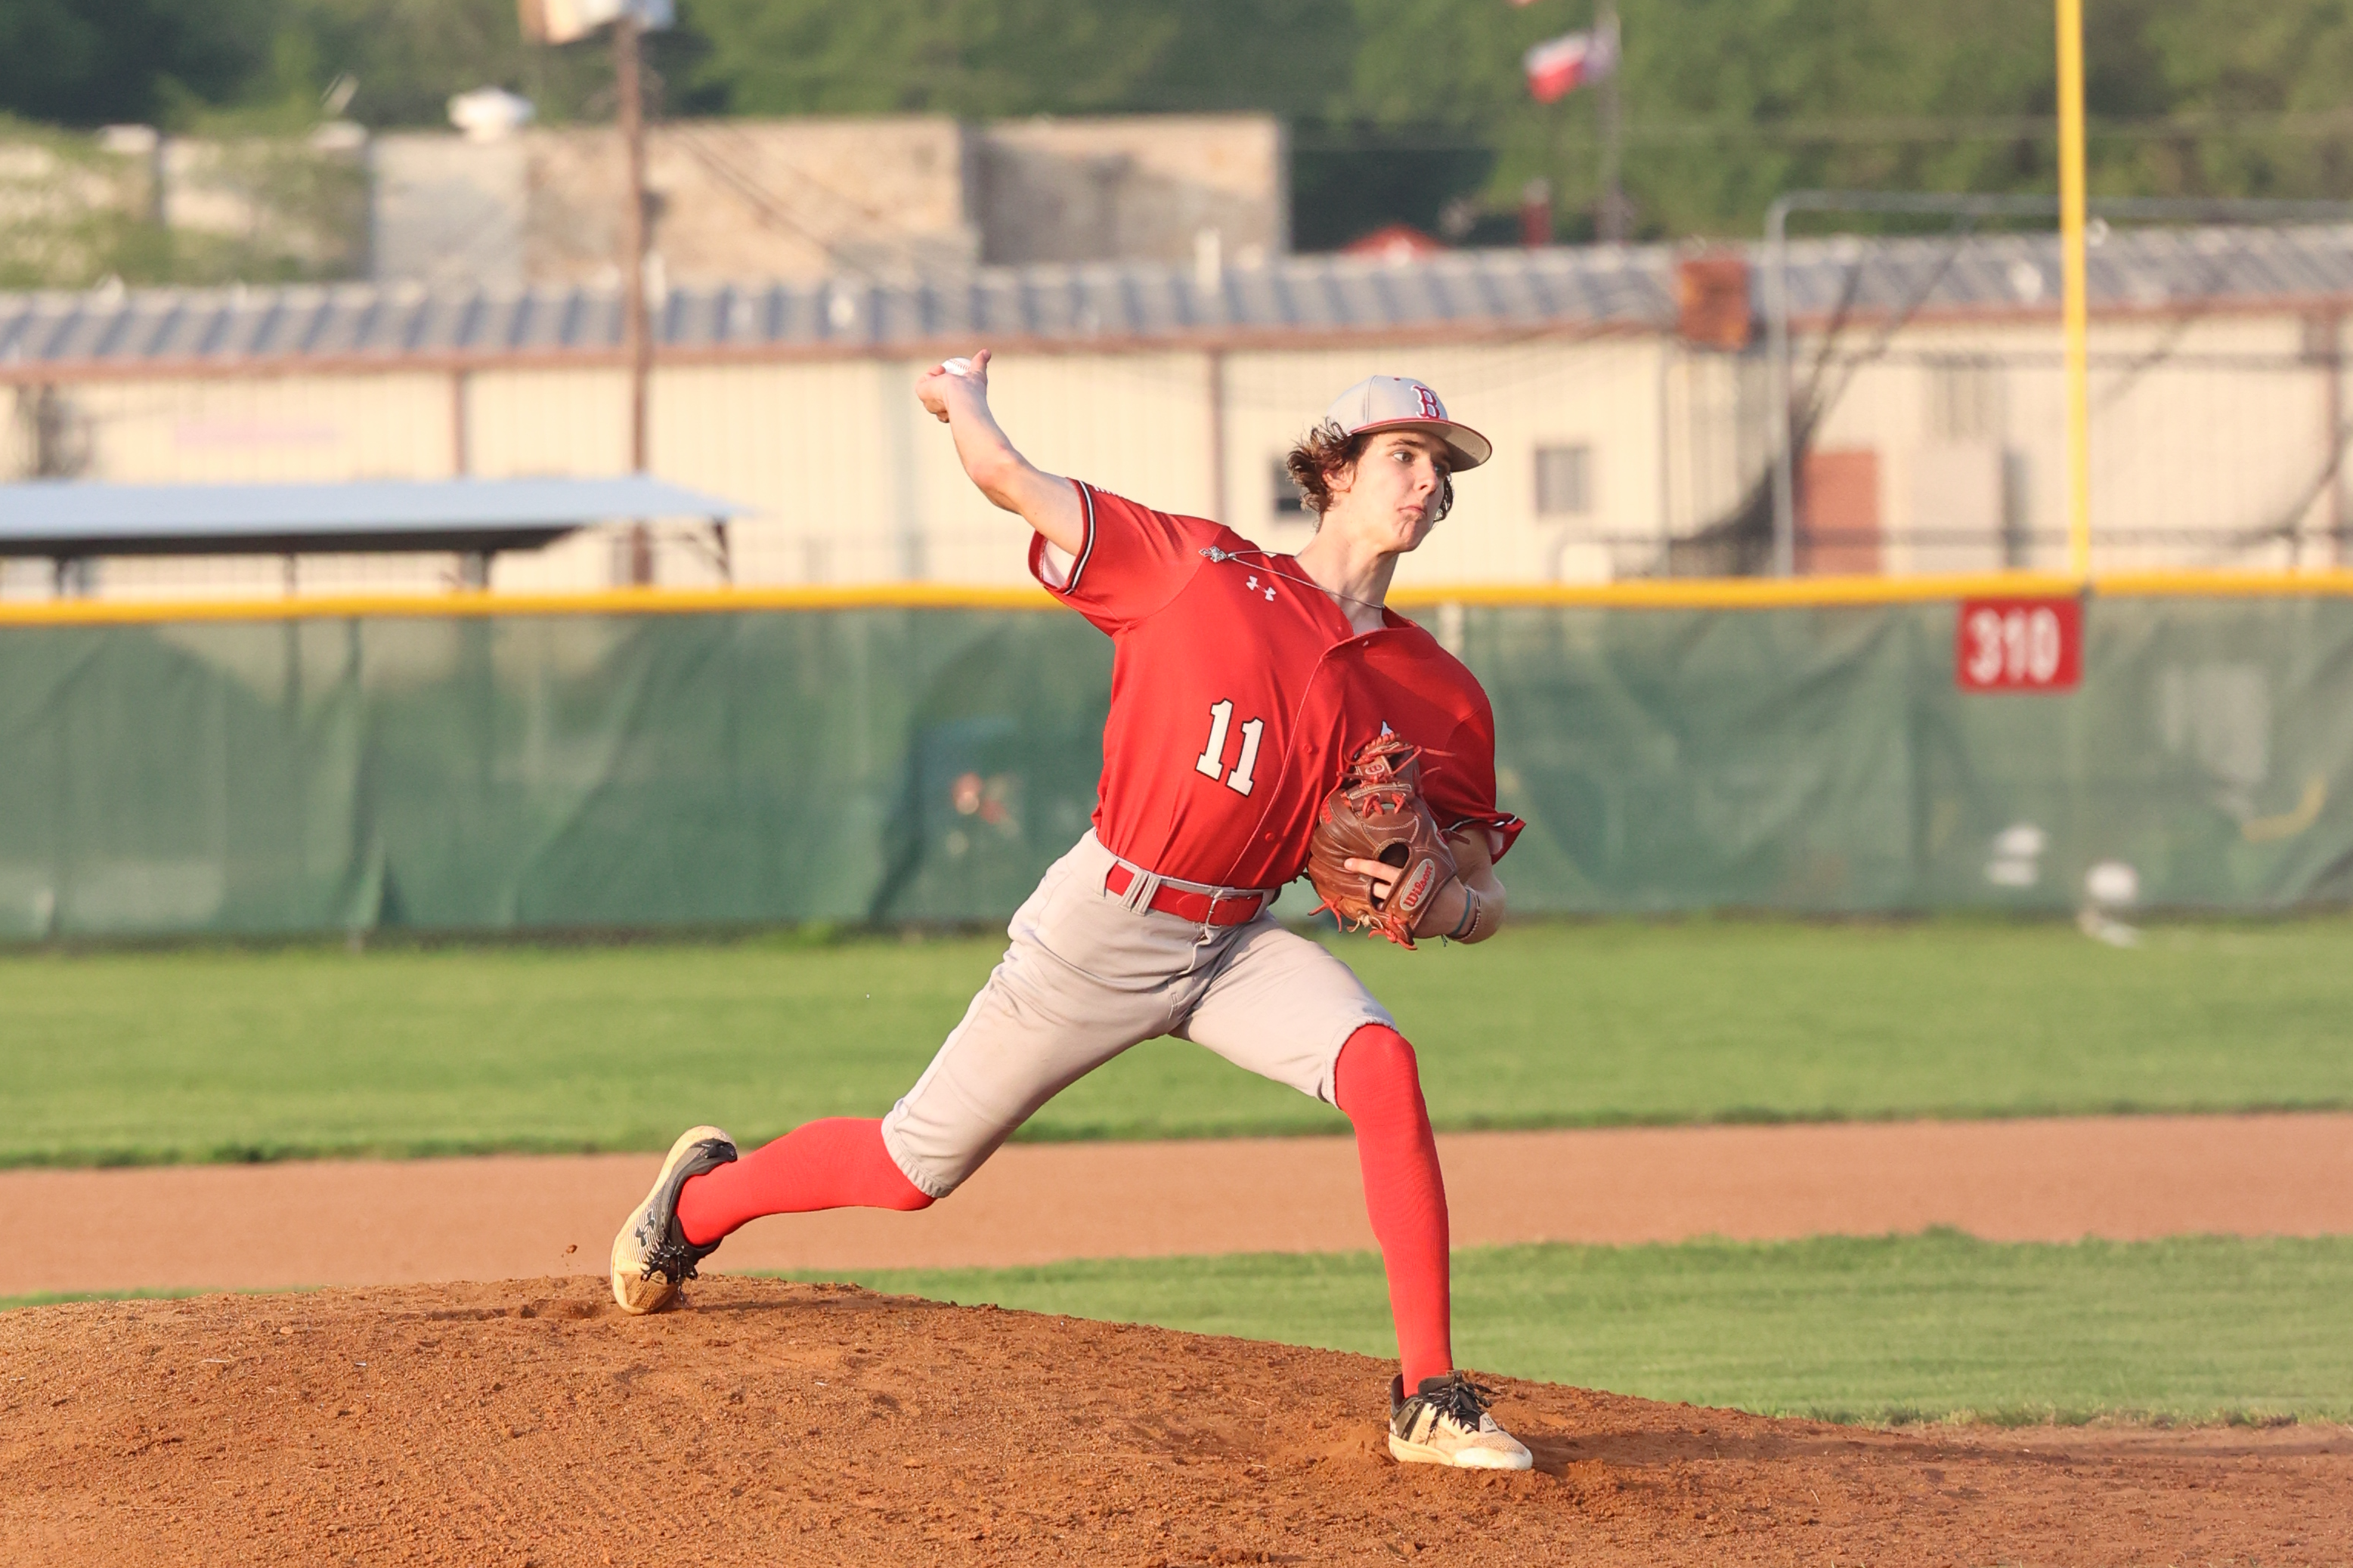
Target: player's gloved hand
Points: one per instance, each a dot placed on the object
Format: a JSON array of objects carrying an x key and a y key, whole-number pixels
[
  {"x": 952, "y": 378},
  {"x": 1376, "y": 852},
  {"x": 1440, "y": 914}
]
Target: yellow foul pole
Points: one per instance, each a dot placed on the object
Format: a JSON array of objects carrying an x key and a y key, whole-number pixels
[{"x": 2071, "y": 267}]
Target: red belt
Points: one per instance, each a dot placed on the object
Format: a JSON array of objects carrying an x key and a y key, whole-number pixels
[{"x": 1201, "y": 909}]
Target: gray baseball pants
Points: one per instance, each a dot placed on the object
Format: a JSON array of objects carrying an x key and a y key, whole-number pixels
[{"x": 1090, "y": 973}]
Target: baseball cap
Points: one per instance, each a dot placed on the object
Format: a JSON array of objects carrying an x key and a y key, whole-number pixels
[{"x": 1401, "y": 402}]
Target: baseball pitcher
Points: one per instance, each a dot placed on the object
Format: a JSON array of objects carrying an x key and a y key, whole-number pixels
[{"x": 1268, "y": 715}]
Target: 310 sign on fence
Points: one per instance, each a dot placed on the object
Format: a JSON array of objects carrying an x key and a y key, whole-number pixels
[{"x": 2018, "y": 645}]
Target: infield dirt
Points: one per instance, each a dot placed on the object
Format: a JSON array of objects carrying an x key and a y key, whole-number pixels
[
  {"x": 379, "y": 1222},
  {"x": 530, "y": 1422}
]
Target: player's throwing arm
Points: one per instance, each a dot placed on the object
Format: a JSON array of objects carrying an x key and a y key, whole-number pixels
[{"x": 956, "y": 393}]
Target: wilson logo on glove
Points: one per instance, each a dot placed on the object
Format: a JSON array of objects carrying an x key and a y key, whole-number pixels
[{"x": 1414, "y": 890}]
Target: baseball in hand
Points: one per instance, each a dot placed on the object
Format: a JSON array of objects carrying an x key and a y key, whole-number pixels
[{"x": 956, "y": 366}]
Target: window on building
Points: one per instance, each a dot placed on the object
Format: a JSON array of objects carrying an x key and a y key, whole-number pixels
[
  {"x": 1563, "y": 481},
  {"x": 1290, "y": 505},
  {"x": 1965, "y": 400}
]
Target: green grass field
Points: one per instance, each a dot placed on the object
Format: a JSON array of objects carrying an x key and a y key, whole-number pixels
[
  {"x": 201, "y": 1054},
  {"x": 1894, "y": 1328}
]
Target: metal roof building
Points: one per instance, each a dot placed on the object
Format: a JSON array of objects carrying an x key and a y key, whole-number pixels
[
  {"x": 1068, "y": 307},
  {"x": 1596, "y": 288},
  {"x": 2219, "y": 350}
]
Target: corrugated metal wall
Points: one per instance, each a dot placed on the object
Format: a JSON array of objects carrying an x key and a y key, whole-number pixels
[{"x": 2205, "y": 429}]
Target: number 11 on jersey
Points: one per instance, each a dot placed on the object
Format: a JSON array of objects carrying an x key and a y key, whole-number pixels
[{"x": 1212, "y": 761}]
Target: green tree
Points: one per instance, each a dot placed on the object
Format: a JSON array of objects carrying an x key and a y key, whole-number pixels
[
  {"x": 88, "y": 62},
  {"x": 996, "y": 57},
  {"x": 407, "y": 58},
  {"x": 2217, "y": 58},
  {"x": 1399, "y": 107}
]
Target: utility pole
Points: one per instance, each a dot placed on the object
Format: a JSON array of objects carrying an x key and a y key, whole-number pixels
[
  {"x": 636, "y": 337},
  {"x": 638, "y": 340},
  {"x": 563, "y": 22},
  {"x": 1613, "y": 223}
]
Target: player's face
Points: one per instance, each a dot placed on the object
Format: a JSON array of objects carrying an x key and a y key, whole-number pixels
[{"x": 1390, "y": 500}]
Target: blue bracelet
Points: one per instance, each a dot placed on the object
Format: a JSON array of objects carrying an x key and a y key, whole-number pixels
[{"x": 1469, "y": 915}]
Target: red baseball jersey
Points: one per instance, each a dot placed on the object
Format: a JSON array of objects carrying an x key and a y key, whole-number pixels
[{"x": 1239, "y": 692}]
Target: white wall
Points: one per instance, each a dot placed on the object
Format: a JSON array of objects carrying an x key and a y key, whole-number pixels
[{"x": 2215, "y": 423}]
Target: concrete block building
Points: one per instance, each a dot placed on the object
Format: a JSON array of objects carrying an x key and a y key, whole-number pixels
[{"x": 891, "y": 197}]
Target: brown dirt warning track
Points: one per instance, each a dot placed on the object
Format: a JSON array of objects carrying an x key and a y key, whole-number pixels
[
  {"x": 387, "y": 1223},
  {"x": 529, "y": 1422}
]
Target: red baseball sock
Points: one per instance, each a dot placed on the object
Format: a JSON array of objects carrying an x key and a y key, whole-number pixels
[
  {"x": 1380, "y": 1088},
  {"x": 836, "y": 1163}
]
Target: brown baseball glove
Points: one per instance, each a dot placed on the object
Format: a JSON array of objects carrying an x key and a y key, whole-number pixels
[{"x": 1377, "y": 813}]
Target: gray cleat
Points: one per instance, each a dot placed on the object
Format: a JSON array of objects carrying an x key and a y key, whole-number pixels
[
  {"x": 651, "y": 1257},
  {"x": 1447, "y": 1423}
]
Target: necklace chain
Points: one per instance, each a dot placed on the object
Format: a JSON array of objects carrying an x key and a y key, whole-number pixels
[{"x": 1215, "y": 555}]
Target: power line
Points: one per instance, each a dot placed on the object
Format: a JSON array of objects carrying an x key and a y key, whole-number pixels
[{"x": 2311, "y": 125}]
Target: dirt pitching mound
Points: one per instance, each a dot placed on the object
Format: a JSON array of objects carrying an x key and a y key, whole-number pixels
[{"x": 530, "y": 1422}]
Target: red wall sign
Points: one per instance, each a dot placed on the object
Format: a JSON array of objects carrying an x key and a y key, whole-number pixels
[{"x": 2018, "y": 645}]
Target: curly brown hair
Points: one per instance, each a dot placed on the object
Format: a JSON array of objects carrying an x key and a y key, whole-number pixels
[{"x": 1326, "y": 449}]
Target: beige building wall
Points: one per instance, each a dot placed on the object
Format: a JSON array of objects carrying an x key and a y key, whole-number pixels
[
  {"x": 1716, "y": 439},
  {"x": 1157, "y": 186},
  {"x": 806, "y": 446},
  {"x": 229, "y": 430},
  {"x": 566, "y": 422},
  {"x": 893, "y": 196},
  {"x": 848, "y": 480},
  {"x": 2220, "y": 423},
  {"x": 557, "y": 421},
  {"x": 449, "y": 212},
  {"x": 737, "y": 199},
  {"x": 733, "y": 199},
  {"x": 1601, "y": 395},
  {"x": 2245, "y": 450}
]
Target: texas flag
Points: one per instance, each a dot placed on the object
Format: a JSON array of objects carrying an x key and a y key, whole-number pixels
[{"x": 1557, "y": 67}]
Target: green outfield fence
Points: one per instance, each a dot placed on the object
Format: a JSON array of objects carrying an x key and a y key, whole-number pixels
[{"x": 645, "y": 761}]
